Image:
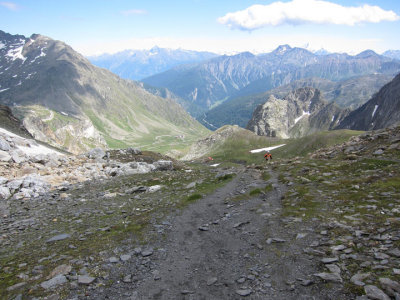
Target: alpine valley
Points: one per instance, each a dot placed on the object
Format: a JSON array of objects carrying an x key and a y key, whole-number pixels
[{"x": 67, "y": 102}]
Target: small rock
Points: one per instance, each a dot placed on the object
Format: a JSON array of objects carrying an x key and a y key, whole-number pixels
[
  {"x": 125, "y": 257},
  {"x": 334, "y": 277},
  {"x": 127, "y": 278},
  {"x": 113, "y": 260},
  {"x": 212, "y": 280},
  {"x": 329, "y": 260},
  {"x": 204, "y": 228},
  {"x": 59, "y": 237},
  {"x": 375, "y": 293},
  {"x": 243, "y": 292},
  {"x": 15, "y": 286},
  {"x": 147, "y": 252},
  {"x": 390, "y": 286},
  {"x": 85, "y": 279},
  {"x": 55, "y": 281},
  {"x": 381, "y": 256},
  {"x": 60, "y": 270},
  {"x": 358, "y": 278}
]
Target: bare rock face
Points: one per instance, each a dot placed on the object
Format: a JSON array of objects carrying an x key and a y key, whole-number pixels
[{"x": 300, "y": 113}]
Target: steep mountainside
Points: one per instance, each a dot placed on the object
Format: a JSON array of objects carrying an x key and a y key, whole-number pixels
[
  {"x": 214, "y": 81},
  {"x": 138, "y": 64},
  {"x": 382, "y": 111},
  {"x": 300, "y": 113},
  {"x": 351, "y": 93},
  {"x": 10, "y": 123},
  {"x": 66, "y": 101}
]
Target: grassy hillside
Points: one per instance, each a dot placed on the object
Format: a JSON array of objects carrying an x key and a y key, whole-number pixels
[{"x": 235, "y": 147}]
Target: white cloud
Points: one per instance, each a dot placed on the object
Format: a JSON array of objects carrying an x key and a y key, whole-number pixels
[
  {"x": 305, "y": 12},
  {"x": 133, "y": 12},
  {"x": 10, "y": 5}
]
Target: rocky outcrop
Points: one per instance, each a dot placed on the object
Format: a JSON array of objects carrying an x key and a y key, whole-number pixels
[
  {"x": 29, "y": 169},
  {"x": 383, "y": 110},
  {"x": 300, "y": 113}
]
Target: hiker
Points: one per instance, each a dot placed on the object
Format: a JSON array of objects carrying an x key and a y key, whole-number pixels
[{"x": 268, "y": 156}]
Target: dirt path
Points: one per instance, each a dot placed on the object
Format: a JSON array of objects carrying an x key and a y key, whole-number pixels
[{"x": 224, "y": 248}]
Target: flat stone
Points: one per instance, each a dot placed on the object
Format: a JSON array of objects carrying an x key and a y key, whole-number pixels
[
  {"x": 358, "y": 278},
  {"x": 60, "y": 270},
  {"x": 333, "y": 277},
  {"x": 333, "y": 268},
  {"x": 125, "y": 257},
  {"x": 212, "y": 280},
  {"x": 113, "y": 260},
  {"x": 59, "y": 237},
  {"x": 390, "y": 286},
  {"x": 381, "y": 256},
  {"x": 85, "y": 279},
  {"x": 329, "y": 260},
  {"x": 55, "y": 281},
  {"x": 243, "y": 292},
  {"x": 15, "y": 286},
  {"x": 147, "y": 252},
  {"x": 394, "y": 252},
  {"x": 375, "y": 293}
]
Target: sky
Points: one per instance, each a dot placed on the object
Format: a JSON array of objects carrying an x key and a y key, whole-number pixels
[{"x": 94, "y": 27}]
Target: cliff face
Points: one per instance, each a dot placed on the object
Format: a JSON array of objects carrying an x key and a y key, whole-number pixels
[
  {"x": 300, "y": 113},
  {"x": 383, "y": 110}
]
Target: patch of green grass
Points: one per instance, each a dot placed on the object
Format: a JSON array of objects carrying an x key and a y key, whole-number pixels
[
  {"x": 266, "y": 176},
  {"x": 255, "y": 192},
  {"x": 268, "y": 188}
]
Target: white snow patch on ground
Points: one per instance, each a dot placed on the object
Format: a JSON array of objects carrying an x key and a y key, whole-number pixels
[
  {"x": 3, "y": 90},
  {"x": 214, "y": 165},
  {"x": 266, "y": 149},
  {"x": 2, "y": 45},
  {"x": 298, "y": 119},
  {"x": 373, "y": 113},
  {"x": 33, "y": 149}
]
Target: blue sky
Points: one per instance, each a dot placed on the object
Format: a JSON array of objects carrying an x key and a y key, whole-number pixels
[{"x": 97, "y": 26}]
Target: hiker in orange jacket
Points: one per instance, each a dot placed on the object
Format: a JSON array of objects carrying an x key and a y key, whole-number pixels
[{"x": 268, "y": 156}]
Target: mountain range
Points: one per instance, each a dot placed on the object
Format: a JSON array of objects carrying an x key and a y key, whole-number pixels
[
  {"x": 349, "y": 93},
  {"x": 66, "y": 101},
  {"x": 216, "y": 80},
  {"x": 304, "y": 111},
  {"x": 138, "y": 64}
]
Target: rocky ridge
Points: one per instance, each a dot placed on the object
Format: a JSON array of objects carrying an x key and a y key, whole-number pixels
[{"x": 300, "y": 113}]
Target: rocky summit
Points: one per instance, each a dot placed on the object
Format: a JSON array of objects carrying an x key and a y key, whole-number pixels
[{"x": 300, "y": 113}]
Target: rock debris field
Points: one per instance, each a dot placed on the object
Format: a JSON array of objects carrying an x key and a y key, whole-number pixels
[{"x": 305, "y": 228}]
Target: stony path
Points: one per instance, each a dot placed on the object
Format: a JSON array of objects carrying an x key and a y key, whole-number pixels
[{"x": 224, "y": 248}]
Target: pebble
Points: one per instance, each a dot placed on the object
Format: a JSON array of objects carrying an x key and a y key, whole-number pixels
[
  {"x": 59, "y": 237},
  {"x": 147, "y": 252},
  {"x": 113, "y": 260},
  {"x": 333, "y": 277},
  {"x": 125, "y": 257},
  {"x": 243, "y": 292},
  {"x": 212, "y": 280},
  {"x": 85, "y": 279}
]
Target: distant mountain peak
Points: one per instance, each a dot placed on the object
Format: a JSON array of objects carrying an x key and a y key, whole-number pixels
[
  {"x": 367, "y": 53},
  {"x": 282, "y": 49}
]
